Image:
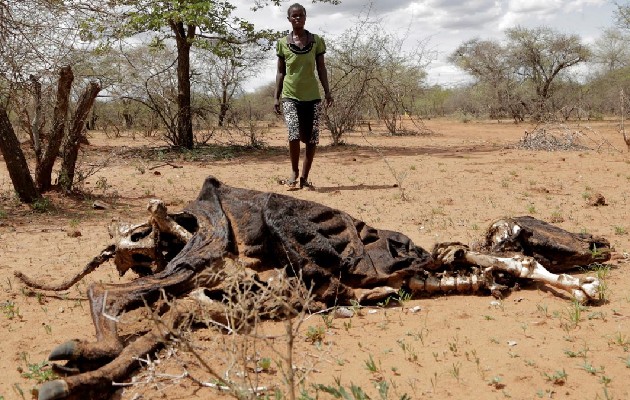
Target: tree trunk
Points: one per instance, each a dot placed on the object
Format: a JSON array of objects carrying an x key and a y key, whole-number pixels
[
  {"x": 223, "y": 109},
  {"x": 75, "y": 135},
  {"x": 126, "y": 114},
  {"x": 15, "y": 160},
  {"x": 44, "y": 167},
  {"x": 184, "y": 136},
  {"x": 36, "y": 126},
  {"x": 91, "y": 122}
]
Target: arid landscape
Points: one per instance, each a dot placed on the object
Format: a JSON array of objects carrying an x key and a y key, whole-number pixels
[{"x": 448, "y": 186}]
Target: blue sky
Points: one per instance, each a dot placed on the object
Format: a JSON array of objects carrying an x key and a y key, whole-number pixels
[{"x": 444, "y": 23}]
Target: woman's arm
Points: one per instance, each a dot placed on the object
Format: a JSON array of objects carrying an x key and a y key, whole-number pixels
[
  {"x": 323, "y": 78},
  {"x": 280, "y": 73}
]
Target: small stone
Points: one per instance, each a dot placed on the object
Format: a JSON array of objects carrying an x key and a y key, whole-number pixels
[
  {"x": 343, "y": 312},
  {"x": 372, "y": 311},
  {"x": 511, "y": 343},
  {"x": 415, "y": 309},
  {"x": 74, "y": 233},
  {"x": 597, "y": 200}
]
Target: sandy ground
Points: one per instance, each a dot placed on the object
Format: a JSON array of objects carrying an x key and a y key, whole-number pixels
[{"x": 535, "y": 343}]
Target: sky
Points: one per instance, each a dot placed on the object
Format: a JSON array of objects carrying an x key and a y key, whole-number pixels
[{"x": 443, "y": 24}]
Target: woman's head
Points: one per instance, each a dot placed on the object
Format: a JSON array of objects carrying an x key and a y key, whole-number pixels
[
  {"x": 296, "y": 7},
  {"x": 296, "y": 14}
]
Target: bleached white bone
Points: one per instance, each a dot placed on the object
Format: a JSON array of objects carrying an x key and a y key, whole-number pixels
[
  {"x": 527, "y": 267},
  {"x": 446, "y": 283},
  {"x": 480, "y": 275},
  {"x": 521, "y": 266},
  {"x": 159, "y": 216}
]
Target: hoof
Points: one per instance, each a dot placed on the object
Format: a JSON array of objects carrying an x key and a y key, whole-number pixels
[
  {"x": 53, "y": 390},
  {"x": 66, "y": 351}
]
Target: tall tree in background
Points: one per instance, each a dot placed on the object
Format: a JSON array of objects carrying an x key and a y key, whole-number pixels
[
  {"x": 611, "y": 50},
  {"x": 489, "y": 63},
  {"x": 530, "y": 61},
  {"x": 541, "y": 55}
]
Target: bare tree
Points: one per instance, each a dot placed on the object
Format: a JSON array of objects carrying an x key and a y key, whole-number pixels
[
  {"x": 371, "y": 71},
  {"x": 38, "y": 37},
  {"x": 220, "y": 74},
  {"x": 610, "y": 50},
  {"x": 351, "y": 60}
]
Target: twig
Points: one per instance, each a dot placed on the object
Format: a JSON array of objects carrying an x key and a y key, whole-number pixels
[
  {"x": 623, "y": 129},
  {"x": 396, "y": 176},
  {"x": 165, "y": 164}
]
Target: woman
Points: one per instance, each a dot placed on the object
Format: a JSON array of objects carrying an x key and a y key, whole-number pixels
[{"x": 297, "y": 95}]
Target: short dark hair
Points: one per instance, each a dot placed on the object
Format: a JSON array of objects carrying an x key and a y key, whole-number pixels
[{"x": 295, "y": 5}]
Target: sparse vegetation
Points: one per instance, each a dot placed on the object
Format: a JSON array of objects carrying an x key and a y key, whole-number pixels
[
  {"x": 39, "y": 372},
  {"x": 11, "y": 310},
  {"x": 559, "y": 377}
]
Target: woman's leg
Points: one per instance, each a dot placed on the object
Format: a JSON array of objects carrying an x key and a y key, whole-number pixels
[
  {"x": 290, "y": 112},
  {"x": 308, "y": 160},
  {"x": 311, "y": 144},
  {"x": 294, "y": 154}
]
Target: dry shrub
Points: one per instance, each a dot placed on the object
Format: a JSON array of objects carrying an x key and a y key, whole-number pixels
[
  {"x": 232, "y": 351},
  {"x": 562, "y": 137}
]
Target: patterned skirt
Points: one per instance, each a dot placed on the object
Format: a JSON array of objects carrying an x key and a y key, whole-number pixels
[{"x": 302, "y": 119}]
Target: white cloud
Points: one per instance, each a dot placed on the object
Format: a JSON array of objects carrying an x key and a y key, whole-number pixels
[
  {"x": 536, "y": 7},
  {"x": 447, "y": 23}
]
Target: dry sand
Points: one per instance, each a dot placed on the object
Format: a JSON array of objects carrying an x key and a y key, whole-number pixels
[{"x": 535, "y": 343}]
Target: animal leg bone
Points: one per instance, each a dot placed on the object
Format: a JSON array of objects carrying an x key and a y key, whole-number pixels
[
  {"x": 521, "y": 266},
  {"x": 105, "y": 255}
]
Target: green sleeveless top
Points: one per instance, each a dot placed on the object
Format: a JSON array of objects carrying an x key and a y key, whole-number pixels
[{"x": 300, "y": 82}]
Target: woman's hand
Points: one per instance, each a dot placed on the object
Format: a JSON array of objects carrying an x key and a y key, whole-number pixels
[
  {"x": 329, "y": 100},
  {"x": 276, "y": 107}
]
